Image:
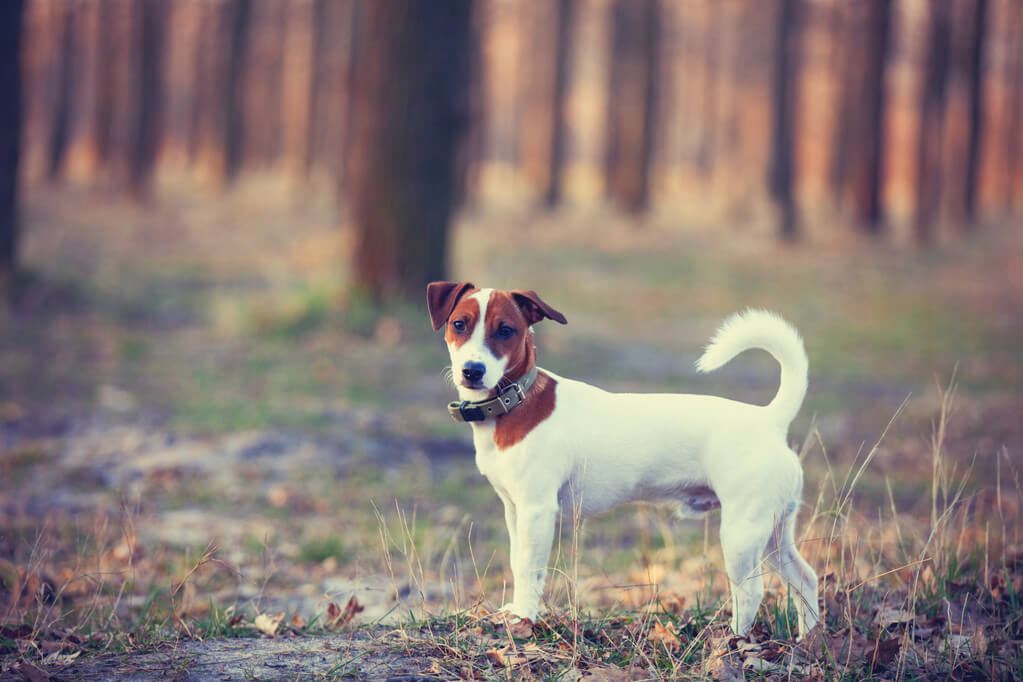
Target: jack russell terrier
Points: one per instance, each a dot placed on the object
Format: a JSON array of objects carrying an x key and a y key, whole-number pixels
[{"x": 549, "y": 444}]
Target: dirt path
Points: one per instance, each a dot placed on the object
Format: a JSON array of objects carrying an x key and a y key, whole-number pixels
[{"x": 329, "y": 656}]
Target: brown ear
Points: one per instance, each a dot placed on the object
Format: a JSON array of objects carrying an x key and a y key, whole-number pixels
[
  {"x": 441, "y": 299},
  {"x": 533, "y": 307}
]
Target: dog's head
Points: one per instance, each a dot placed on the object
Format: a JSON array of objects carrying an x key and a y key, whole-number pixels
[{"x": 488, "y": 333}]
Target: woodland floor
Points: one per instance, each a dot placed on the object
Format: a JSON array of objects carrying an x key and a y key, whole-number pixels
[{"x": 217, "y": 463}]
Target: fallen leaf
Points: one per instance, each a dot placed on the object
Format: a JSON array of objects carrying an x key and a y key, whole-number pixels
[
  {"x": 497, "y": 657},
  {"x": 338, "y": 617},
  {"x": 479, "y": 612},
  {"x": 720, "y": 668},
  {"x": 297, "y": 622},
  {"x": 268, "y": 624},
  {"x": 665, "y": 635},
  {"x": 57, "y": 658},
  {"x": 277, "y": 496},
  {"x": 887, "y": 651},
  {"x": 672, "y": 603},
  {"x": 518, "y": 628}
]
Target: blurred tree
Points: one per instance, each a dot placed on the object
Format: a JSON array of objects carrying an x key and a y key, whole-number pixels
[
  {"x": 547, "y": 30},
  {"x": 1014, "y": 105},
  {"x": 297, "y": 83},
  {"x": 633, "y": 81},
  {"x": 562, "y": 51},
  {"x": 82, "y": 161},
  {"x": 976, "y": 105},
  {"x": 706, "y": 146},
  {"x": 334, "y": 39},
  {"x": 261, "y": 82},
  {"x": 220, "y": 125},
  {"x": 10, "y": 133},
  {"x": 786, "y": 75},
  {"x": 410, "y": 102},
  {"x": 60, "y": 123},
  {"x": 858, "y": 155},
  {"x": 931, "y": 126},
  {"x": 117, "y": 89},
  {"x": 149, "y": 32}
]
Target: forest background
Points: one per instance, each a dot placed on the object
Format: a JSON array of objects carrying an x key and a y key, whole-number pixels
[{"x": 221, "y": 402}]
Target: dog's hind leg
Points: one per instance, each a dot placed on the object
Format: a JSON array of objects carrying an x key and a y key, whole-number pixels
[
  {"x": 744, "y": 537},
  {"x": 798, "y": 575}
]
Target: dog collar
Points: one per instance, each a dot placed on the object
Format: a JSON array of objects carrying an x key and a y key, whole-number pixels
[{"x": 504, "y": 402}]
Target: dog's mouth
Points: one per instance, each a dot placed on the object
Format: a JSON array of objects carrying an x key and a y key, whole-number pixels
[{"x": 473, "y": 385}]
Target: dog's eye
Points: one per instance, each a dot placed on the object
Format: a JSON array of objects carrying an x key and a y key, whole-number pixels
[
  {"x": 504, "y": 331},
  {"x": 458, "y": 325}
]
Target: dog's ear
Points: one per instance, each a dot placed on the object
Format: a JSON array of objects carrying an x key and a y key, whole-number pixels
[
  {"x": 441, "y": 299},
  {"x": 534, "y": 308}
]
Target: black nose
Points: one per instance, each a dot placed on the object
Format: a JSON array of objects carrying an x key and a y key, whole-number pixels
[{"x": 474, "y": 371}]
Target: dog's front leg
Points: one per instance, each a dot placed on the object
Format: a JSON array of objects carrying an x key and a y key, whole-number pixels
[
  {"x": 513, "y": 539},
  {"x": 535, "y": 525}
]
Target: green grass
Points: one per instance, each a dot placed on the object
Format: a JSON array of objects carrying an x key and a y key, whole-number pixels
[{"x": 316, "y": 550}]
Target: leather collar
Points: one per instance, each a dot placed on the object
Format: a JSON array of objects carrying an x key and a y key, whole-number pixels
[{"x": 505, "y": 401}]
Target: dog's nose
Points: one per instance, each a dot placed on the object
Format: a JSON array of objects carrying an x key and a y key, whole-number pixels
[{"x": 474, "y": 371}]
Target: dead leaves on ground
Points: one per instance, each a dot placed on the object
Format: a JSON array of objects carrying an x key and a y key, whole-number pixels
[
  {"x": 665, "y": 636},
  {"x": 338, "y": 618}
]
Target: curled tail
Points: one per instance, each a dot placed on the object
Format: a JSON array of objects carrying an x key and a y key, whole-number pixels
[{"x": 761, "y": 329}]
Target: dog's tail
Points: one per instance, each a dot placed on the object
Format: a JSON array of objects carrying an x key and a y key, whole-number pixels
[{"x": 761, "y": 329}]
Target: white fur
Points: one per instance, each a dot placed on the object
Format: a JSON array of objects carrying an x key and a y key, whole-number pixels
[
  {"x": 600, "y": 449},
  {"x": 476, "y": 350}
]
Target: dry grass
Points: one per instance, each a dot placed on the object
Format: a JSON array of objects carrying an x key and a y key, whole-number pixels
[
  {"x": 914, "y": 527},
  {"x": 902, "y": 596}
]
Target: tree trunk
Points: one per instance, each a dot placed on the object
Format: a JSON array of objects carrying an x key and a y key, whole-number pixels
[
  {"x": 298, "y": 68},
  {"x": 562, "y": 53},
  {"x": 844, "y": 34},
  {"x": 10, "y": 137},
  {"x": 219, "y": 124},
  {"x": 633, "y": 101},
  {"x": 152, "y": 19},
  {"x": 865, "y": 154},
  {"x": 932, "y": 121},
  {"x": 61, "y": 123},
  {"x": 1014, "y": 107},
  {"x": 234, "y": 115},
  {"x": 973, "y": 149},
  {"x": 410, "y": 101},
  {"x": 706, "y": 148},
  {"x": 786, "y": 73}
]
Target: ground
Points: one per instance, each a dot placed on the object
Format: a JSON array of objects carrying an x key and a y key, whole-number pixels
[{"x": 219, "y": 462}]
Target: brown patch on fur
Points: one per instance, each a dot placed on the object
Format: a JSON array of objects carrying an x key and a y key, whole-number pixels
[
  {"x": 503, "y": 311},
  {"x": 467, "y": 310},
  {"x": 516, "y": 425}
]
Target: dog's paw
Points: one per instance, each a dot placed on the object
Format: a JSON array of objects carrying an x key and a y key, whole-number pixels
[{"x": 511, "y": 610}]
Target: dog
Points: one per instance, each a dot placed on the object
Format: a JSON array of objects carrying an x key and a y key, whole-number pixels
[{"x": 552, "y": 445}]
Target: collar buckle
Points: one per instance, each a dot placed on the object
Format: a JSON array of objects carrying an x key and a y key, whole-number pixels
[{"x": 501, "y": 404}]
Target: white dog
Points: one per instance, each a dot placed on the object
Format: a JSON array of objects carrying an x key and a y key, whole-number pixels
[{"x": 550, "y": 444}]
